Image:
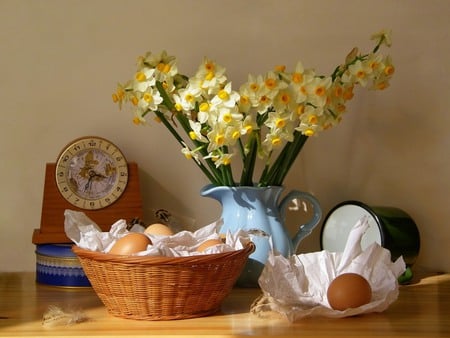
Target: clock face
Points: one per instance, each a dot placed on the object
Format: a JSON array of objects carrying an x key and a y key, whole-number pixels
[{"x": 91, "y": 173}]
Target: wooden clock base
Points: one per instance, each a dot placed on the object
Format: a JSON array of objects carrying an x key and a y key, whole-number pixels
[{"x": 128, "y": 207}]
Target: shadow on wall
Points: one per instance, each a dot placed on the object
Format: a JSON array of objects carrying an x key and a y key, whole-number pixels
[{"x": 161, "y": 206}]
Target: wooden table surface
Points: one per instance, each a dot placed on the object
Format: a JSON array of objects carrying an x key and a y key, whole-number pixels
[{"x": 422, "y": 310}]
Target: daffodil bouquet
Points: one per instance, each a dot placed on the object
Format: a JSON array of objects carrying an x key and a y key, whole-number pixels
[{"x": 268, "y": 119}]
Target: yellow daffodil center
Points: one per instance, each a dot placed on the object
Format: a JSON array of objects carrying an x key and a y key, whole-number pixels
[
  {"x": 219, "y": 139},
  {"x": 373, "y": 64},
  {"x": 382, "y": 85},
  {"x": 270, "y": 83},
  {"x": 254, "y": 86},
  {"x": 209, "y": 66},
  {"x": 320, "y": 91},
  {"x": 226, "y": 161},
  {"x": 297, "y": 78},
  {"x": 389, "y": 70},
  {"x": 276, "y": 141},
  {"x": 189, "y": 97},
  {"x": 312, "y": 119},
  {"x": 178, "y": 106},
  {"x": 280, "y": 68},
  {"x": 227, "y": 118},
  {"x": 264, "y": 99},
  {"x": 285, "y": 98},
  {"x": 134, "y": 100},
  {"x": 244, "y": 99},
  {"x": 348, "y": 94},
  {"x": 118, "y": 95},
  {"x": 209, "y": 76},
  {"x": 204, "y": 106},
  {"x": 163, "y": 67},
  {"x": 309, "y": 132},
  {"x": 361, "y": 74},
  {"x": 338, "y": 91},
  {"x": 248, "y": 129},
  {"x": 280, "y": 123},
  {"x": 192, "y": 135},
  {"x": 236, "y": 134},
  {"x": 223, "y": 95},
  {"x": 140, "y": 76},
  {"x": 148, "y": 98}
]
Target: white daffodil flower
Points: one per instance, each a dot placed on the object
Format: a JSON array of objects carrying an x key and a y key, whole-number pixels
[{"x": 277, "y": 110}]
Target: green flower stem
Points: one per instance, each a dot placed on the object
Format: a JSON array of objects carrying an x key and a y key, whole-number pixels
[
  {"x": 295, "y": 148},
  {"x": 180, "y": 140},
  {"x": 249, "y": 161},
  {"x": 184, "y": 122},
  {"x": 227, "y": 175},
  {"x": 277, "y": 172},
  {"x": 166, "y": 99},
  {"x": 270, "y": 172}
]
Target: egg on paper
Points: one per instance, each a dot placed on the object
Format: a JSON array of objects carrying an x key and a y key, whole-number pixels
[
  {"x": 349, "y": 290},
  {"x": 130, "y": 244},
  {"x": 158, "y": 229}
]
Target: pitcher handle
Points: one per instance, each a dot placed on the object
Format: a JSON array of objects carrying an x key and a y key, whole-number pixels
[{"x": 304, "y": 229}]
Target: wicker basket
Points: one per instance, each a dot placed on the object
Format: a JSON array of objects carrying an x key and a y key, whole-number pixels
[{"x": 163, "y": 288}]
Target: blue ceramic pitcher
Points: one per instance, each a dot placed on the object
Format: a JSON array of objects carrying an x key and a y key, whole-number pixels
[{"x": 259, "y": 211}]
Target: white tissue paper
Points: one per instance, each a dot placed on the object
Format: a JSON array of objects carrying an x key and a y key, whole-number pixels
[
  {"x": 296, "y": 287},
  {"x": 88, "y": 235}
]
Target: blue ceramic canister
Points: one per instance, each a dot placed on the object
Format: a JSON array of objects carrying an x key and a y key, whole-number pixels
[{"x": 57, "y": 265}]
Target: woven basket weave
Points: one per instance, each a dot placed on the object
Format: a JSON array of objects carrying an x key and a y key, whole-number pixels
[{"x": 163, "y": 288}]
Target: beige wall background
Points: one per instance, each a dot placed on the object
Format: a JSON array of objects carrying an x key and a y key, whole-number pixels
[{"x": 60, "y": 62}]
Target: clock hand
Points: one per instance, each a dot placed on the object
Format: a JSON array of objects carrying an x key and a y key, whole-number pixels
[
  {"x": 92, "y": 174},
  {"x": 99, "y": 175},
  {"x": 88, "y": 185}
]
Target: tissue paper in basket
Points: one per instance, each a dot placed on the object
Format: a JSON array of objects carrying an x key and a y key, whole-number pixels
[{"x": 296, "y": 287}]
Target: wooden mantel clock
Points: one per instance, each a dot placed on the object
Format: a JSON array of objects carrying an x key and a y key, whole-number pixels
[{"x": 91, "y": 175}]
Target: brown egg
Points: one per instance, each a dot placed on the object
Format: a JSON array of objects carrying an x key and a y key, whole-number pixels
[
  {"x": 130, "y": 244},
  {"x": 349, "y": 290},
  {"x": 208, "y": 243},
  {"x": 158, "y": 229}
]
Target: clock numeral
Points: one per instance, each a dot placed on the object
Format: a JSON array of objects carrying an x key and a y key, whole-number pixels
[
  {"x": 123, "y": 174},
  {"x": 92, "y": 143},
  {"x": 77, "y": 147}
]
